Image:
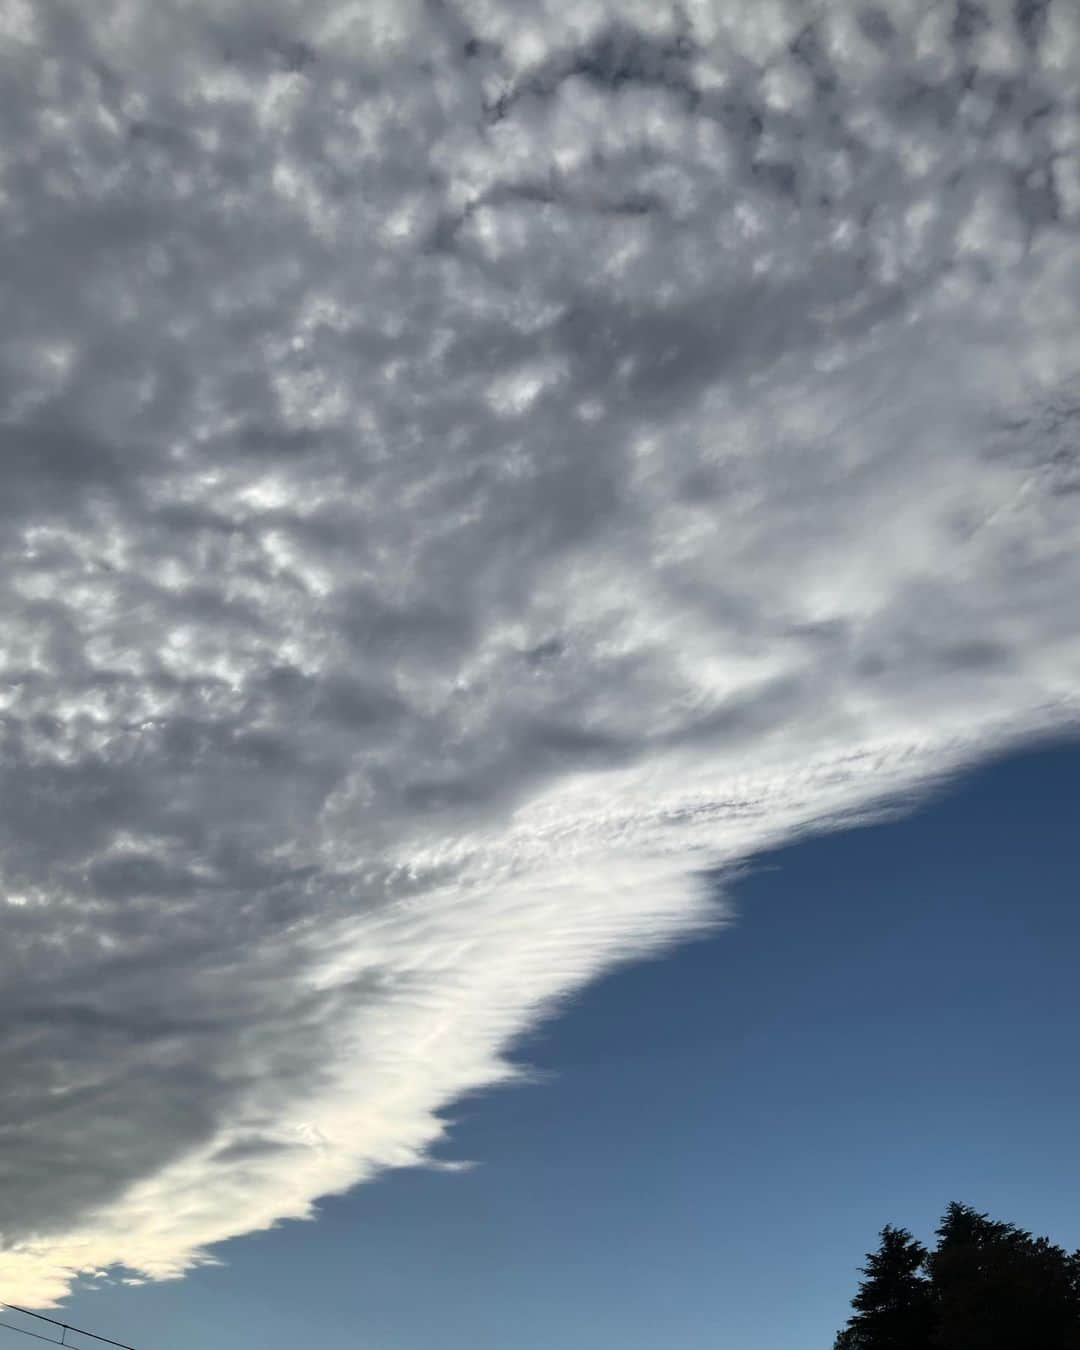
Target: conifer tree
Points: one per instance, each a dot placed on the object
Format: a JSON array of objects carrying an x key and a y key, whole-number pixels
[
  {"x": 893, "y": 1306},
  {"x": 987, "y": 1285},
  {"x": 998, "y": 1288}
]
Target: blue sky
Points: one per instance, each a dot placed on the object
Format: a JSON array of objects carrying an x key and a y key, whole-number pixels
[{"x": 719, "y": 1133}]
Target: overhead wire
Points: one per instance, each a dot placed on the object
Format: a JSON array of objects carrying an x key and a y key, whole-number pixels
[
  {"x": 65, "y": 1328},
  {"x": 8, "y": 1326}
]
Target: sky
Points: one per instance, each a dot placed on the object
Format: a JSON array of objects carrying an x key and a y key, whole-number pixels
[
  {"x": 714, "y": 1139},
  {"x": 475, "y": 475}
]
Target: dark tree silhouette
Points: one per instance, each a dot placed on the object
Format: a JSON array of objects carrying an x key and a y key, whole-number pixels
[
  {"x": 998, "y": 1288},
  {"x": 893, "y": 1308},
  {"x": 986, "y": 1286}
]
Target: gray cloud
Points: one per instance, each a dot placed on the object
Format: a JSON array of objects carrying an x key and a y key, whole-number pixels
[{"x": 467, "y": 470}]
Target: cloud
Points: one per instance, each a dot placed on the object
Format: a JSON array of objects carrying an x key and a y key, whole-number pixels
[{"x": 469, "y": 470}]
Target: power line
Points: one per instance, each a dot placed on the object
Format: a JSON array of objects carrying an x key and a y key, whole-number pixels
[
  {"x": 65, "y": 1328},
  {"x": 23, "y": 1332}
]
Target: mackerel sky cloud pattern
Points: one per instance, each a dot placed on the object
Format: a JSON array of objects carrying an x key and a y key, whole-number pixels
[{"x": 468, "y": 469}]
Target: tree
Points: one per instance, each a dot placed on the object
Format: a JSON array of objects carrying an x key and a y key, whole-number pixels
[
  {"x": 893, "y": 1308},
  {"x": 987, "y": 1285},
  {"x": 996, "y": 1287}
]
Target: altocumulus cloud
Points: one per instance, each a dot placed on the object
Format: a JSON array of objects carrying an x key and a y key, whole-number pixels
[{"x": 469, "y": 468}]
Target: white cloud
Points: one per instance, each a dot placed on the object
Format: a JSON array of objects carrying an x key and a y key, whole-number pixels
[{"x": 468, "y": 471}]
